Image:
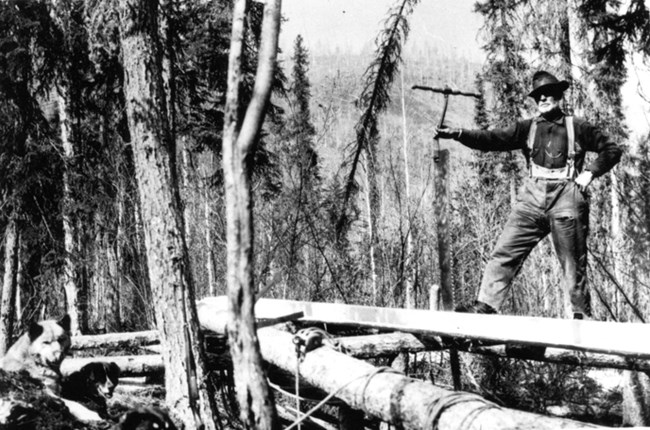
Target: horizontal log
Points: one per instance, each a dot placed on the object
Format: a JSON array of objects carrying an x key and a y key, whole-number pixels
[
  {"x": 564, "y": 356},
  {"x": 369, "y": 346},
  {"x": 115, "y": 340},
  {"x": 395, "y": 398},
  {"x": 130, "y": 365},
  {"x": 380, "y": 345}
]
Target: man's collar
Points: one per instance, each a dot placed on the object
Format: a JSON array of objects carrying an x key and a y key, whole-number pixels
[{"x": 556, "y": 117}]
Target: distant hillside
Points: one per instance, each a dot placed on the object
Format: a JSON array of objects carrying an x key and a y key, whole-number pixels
[{"x": 337, "y": 80}]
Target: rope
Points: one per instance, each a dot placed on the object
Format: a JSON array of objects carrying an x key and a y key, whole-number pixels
[
  {"x": 338, "y": 390},
  {"x": 297, "y": 379},
  {"x": 437, "y": 407}
]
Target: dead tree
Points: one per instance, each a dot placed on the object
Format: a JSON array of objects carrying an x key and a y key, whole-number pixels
[{"x": 253, "y": 393}]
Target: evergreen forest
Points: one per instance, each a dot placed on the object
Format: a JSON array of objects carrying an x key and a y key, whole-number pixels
[{"x": 340, "y": 172}]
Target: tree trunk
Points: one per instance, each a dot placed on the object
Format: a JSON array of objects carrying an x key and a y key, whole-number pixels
[
  {"x": 253, "y": 393},
  {"x": 371, "y": 206},
  {"x": 579, "y": 54},
  {"x": 212, "y": 212},
  {"x": 409, "y": 261},
  {"x": 441, "y": 211},
  {"x": 167, "y": 258},
  {"x": 9, "y": 289},
  {"x": 395, "y": 398},
  {"x": 103, "y": 294},
  {"x": 71, "y": 273}
]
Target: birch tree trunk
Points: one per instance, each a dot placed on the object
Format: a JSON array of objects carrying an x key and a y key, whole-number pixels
[
  {"x": 257, "y": 409},
  {"x": 409, "y": 261},
  {"x": 9, "y": 289},
  {"x": 71, "y": 276},
  {"x": 167, "y": 258}
]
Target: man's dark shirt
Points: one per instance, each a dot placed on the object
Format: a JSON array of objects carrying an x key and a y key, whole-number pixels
[{"x": 550, "y": 147}]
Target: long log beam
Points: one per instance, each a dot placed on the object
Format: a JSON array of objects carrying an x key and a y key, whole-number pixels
[
  {"x": 397, "y": 399},
  {"x": 130, "y": 365},
  {"x": 115, "y": 340},
  {"x": 564, "y": 356},
  {"x": 381, "y": 345},
  {"x": 368, "y": 346}
]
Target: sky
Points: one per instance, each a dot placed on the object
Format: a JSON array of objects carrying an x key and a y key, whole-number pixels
[{"x": 352, "y": 24}]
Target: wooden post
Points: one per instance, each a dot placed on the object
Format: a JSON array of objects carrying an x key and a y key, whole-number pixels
[
  {"x": 441, "y": 212},
  {"x": 434, "y": 296}
]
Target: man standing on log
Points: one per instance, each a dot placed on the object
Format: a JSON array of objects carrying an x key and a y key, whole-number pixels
[{"x": 553, "y": 198}]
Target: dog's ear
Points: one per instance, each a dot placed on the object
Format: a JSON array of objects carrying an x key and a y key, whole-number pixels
[
  {"x": 35, "y": 330},
  {"x": 65, "y": 322},
  {"x": 94, "y": 371},
  {"x": 112, "y": 371}
]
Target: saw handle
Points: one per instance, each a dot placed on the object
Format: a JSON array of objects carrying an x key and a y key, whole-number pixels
[{"x": 446, "y": 91}]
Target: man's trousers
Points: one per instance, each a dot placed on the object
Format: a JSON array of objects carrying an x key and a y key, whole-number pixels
[{"x": 543, "y": 206}]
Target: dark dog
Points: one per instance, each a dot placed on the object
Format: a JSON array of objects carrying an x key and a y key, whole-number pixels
[
  {"x": 92, "y": 385},
  {"x": 145, "y": 419}
]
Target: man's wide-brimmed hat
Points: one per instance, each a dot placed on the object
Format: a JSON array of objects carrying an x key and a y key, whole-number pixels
[{"x": 544, "y": 81}]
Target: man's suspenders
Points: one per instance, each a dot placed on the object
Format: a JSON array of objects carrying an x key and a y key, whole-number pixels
[{"x": 571, "y": 145}]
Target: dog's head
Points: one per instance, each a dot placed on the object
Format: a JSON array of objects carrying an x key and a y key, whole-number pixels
[
  {"x": 49, "y": 341},
  {"x": 145, "y": 419},
  {"x": 103, "y": 377}
]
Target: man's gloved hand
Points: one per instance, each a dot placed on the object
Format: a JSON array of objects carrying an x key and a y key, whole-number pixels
[
  {"x": 584, "y": 179},
  {"x": 446, "y": 133}
]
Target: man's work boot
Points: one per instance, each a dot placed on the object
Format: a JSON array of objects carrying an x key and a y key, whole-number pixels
[{"x": 476, "y": 308}]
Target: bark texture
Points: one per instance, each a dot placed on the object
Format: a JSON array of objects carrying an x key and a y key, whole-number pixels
[
  {"x": 171, "y": 282},
  {"x": 9, "y": 288},
  {"x": 253, "y": 393},
  {"x": 404, "y": 402},
  {"x": 71, "y": 276}
]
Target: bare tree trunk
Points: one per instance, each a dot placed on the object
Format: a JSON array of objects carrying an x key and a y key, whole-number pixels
[
  {"x": 103, "y": 294},
  {"x": 71, "y": 276},
  {"x": 257, "y": 408},
  {"x": 617, "y": 238},
  {"x": 441, "y": 211},
  {"x": 409, "y": 275},
  {"x": 168, "y": 263},
  {"x": 213, "y": 202},
  {"x": 372, "y": 234},
  {"x": 9, "y": 289},
  {"x": 578, "y": 48}
]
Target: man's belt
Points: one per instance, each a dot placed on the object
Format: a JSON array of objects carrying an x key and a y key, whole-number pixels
[{"x": 544, "y": 173}]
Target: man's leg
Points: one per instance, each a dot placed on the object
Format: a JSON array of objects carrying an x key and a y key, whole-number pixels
[
  {"x": 569, "y": 233},
  {"x": 523, "y": 230}
]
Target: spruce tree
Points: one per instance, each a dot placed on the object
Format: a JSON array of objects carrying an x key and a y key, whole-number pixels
[
  {"x": 300, "y": 125},
  {"x": 506, "y": 71}
]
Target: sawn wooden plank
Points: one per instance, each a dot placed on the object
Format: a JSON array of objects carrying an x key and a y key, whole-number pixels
[{"x": 625, "y": 339}]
